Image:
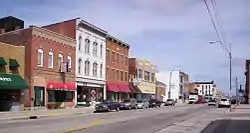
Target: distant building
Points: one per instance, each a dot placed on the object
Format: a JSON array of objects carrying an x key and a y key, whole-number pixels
[
  {"x": 247, "y": 84},
  {"x": 10, "y": 23},
  {"x": 160, "y": 89},
  {"x": 206, "y": 89}
]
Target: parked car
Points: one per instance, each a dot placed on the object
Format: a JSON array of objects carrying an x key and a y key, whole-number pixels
[
  {"x": 170, "y": 102},
  {"x": 129, "y": 104},
  {"x": 107, "y": 106},
  {"x": 224, "y": 103},
  {"x": 192, "y": 100},
  {"x": 211, "y": 102},
  {"x": 154, "y": 103},
  {"x": 141, "y": 104}
]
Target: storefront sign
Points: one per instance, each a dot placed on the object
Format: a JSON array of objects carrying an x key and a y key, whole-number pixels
[{"x": 5, "y": 79}]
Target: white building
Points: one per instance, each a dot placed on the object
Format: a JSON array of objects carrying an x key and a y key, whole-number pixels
[
  {"x": 90, "y": 63},
  {"x": 176, "y": 79},
  {"x": 206, "y": 89}
]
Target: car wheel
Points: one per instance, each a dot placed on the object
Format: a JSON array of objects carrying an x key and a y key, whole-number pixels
[
  {"x": 117, "y": 109},
  {"x": 135, "y": 107},
  {"x": 129, "y": 107},
  {"x": 109, "y": 109}
]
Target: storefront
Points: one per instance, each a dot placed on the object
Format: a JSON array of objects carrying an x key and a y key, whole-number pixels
[
  {"x": 60, "y": 95},
  {"x": 11, "y": 92},
  {"x": 117, "y": 92},
  {"x": 148, "y": 91}
]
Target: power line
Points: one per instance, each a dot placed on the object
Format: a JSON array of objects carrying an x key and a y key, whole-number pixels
[{"x": 215, "y": 28}]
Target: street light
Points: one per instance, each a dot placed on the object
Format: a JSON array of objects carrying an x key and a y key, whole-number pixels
[
  {"x": 229, "y": 52},
  {"x": 170, "y": 78}
]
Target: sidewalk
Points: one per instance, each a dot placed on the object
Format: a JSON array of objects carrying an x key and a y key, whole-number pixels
[{"x": 36, "y": 114}]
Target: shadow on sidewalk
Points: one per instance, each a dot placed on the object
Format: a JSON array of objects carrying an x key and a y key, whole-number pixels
[{"x": 228, "y": 126}]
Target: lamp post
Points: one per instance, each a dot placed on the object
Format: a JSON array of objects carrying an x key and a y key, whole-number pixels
[
  {"x": 229, "y": 52},
  {"x": 170, "y": 82}
]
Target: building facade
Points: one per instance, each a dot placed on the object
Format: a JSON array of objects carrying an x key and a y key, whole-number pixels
[
  {"x": 49, "y": 66},
  {"x": 117, "y": 53},
  {"x": 160, "y": 89},
  {"x": 10, "y": 23},
  {"x": 90, "y": 58},
  {"x": 142, "y": 74},
  {"x": 206, "y": 89},
  {"x": 12, "y": 83}
]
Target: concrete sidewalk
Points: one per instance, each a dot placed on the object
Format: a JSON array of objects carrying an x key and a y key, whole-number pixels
[{"x": 36, "y": 114}]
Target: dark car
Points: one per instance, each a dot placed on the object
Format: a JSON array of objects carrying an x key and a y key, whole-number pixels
[
  {"x": 107, "y": 106},
  {"x": 154, "y": 103},
  {"x": 129, "y": 104}
]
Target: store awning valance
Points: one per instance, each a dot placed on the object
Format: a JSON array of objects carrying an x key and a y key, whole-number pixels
[
  {"x": 12, "y": 81},
  {"x": 2, "y": 61},
  {"x": 60, "y": 86},
  {"x": 124, "y": 88},
  {"x": 113, "y": 87}
]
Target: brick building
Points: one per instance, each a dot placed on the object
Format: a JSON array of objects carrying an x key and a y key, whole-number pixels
[
  {"x": 160, "y": 89},
  {"x": 90, "y": 56},
  {"x": 117, "y": 53},
  {"x": 247, "y": 84},
  {"x": 49, "y": 66},
  {"x": 12, "y": 84}
]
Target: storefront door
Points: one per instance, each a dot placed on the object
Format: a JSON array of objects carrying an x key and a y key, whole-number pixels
[{"x": 39, "y": 96}]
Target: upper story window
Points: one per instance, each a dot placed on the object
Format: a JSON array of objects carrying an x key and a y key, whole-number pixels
[
  {"x": 121, "y": 75},
  {"x": 147, "y": 76},
  {"x": 95, "y": 69},
  {"x": 80, "y": 43},
  {"x": 107, "y": 55},
  {"x": 117, "y": 57},
  {"x": 40, "y": 57},
  {"x": 95, "y": 48},
  {"x": 122, "y": 60},
  {"x": 69, "y": 62},
  {"x": 140, "y": 73},
  {"x": 60, "y": 60},
  {"x": 117, "y": 75},
  {"x": 50, "y": 60},
  {"x": 87, "y": 45},
  {"x": 126, "y": 61},
  {"x": 86, "y": 68},
  {"x": 101, "y": 70},
  {"x": 126, "y": 76},
  {"x": 79, "y": 66},
  {"x": 112, "y": 73},
  {"x": 101, "y": 50},
  {"x": 108, "y": 73},
  {"x": 113, "y": 56},
  {"x": 152, "y": 77}
]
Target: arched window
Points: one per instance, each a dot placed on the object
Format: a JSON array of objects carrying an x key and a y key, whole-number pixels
[
  {"x": 95, "y": 45},
  {"x": 79, "y": 66},
  {"x": 40, "y": 57},
  {"x": 101, "y": 50},
  {"x": 50, "y": 60},
  {"x": 87, "y": 66},
  {"x": 69, "y": 62},
  {"x": 101, "y": 71},
  {"x": 95, "y": 69},
  {"x": 60, "y": 60},
  {"x": 79, "y": 42},
  {"x": 87, "y": 45}
]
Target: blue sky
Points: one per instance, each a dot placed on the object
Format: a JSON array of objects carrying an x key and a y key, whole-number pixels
[{"x": 168, "y": 33}]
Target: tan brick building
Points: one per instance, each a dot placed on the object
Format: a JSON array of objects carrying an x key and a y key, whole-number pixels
[
  {"x": 160, "y": 89},
  {"x": 12, "y": 64},
  {"x": 50, "y": 66}
]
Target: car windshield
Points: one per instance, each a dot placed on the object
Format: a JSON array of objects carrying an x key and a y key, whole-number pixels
[
  {"x": 223, "y": 99},
  {"x": 126, "y": 101},
  {"x": 211, "y": 101},
  {"x": 191, "y": 99},
  {"x": 139, "y": 101},
  {"x": 169, "y": 100}
]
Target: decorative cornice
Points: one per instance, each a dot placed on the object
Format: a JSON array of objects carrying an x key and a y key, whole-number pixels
[{"x": 44, "y": 33}]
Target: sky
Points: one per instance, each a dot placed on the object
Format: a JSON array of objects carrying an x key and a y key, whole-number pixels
[{"x": 169, "y": 33}]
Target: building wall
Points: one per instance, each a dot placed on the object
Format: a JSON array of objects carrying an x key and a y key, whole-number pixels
[
  {"x": 247, "y": 84},
  {"x": 116, "y": 47},
  {"x": 146, "y": 86},
  {"x": 206, "y": 88},
  {"x": 13, "y": 52},
  {"x": 160, "y": 91}
]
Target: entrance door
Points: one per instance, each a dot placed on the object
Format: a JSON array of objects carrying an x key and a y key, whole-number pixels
[{"x": 39, "y": 96}]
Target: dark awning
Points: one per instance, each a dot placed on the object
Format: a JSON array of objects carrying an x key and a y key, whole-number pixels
[
  {"x": 2, "y": 61},
  {"x": 12, "y": 81},
  {"x": 124, "y": 88},
  {"x": 113, "y": 87},
  {"x": 13, "y": 63},
  {"x": 134, "y": 89}
]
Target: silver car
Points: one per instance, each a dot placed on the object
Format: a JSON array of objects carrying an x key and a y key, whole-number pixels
[{"x": 142, "y": 104}]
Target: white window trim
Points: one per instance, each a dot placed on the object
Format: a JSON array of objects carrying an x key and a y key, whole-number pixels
[
  {"x": 101, "y": 70},
  {"x": 93, "y": 69},
  {"x": 69, "y": 61},
  {"x": 80, "y": 43},
  {"x": 86, "y": 72},
  {"x": 52, "y": 61},
  {"x": 101, "y": 50},
  {"x": 79, "y": 71},
  {"x": 40, "y": 51}
]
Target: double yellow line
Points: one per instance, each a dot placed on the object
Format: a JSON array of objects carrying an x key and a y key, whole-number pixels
[{"x": 91, "y": 124}]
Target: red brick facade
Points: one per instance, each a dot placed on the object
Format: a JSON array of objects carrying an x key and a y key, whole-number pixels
[{"x": 35, "y": 38}]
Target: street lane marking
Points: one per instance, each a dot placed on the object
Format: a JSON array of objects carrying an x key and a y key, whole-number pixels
[{"x": 91, "y": 124}]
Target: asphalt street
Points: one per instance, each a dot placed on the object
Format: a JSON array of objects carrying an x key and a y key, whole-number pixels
[{"x": 128, "y": 121}]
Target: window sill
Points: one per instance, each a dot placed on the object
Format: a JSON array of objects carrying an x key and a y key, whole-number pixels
[{"x": 40, "y": 65}]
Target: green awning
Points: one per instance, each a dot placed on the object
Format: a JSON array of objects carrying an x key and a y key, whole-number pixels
[
  {"x": 2, "y": 61},
  {"x": 12, "y": 81},
  {"x": 13, "y": 63}
]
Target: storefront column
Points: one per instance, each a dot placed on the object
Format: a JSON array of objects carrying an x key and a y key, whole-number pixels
[
  {"x": 75, "y": 98},
  {"x": 104, "y": 93}
]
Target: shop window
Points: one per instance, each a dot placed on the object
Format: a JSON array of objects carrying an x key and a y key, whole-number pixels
[
  {"x": 69, "y": 96},
  {"x": 87, "y": 45},
  {"x": 40, "y": 57},
  {"x": 50, "y": 60}
]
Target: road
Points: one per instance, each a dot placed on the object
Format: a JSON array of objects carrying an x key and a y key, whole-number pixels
[{"x": 131, "y": 121}]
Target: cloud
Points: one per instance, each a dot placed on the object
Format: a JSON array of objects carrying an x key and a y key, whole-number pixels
[{"x": 169, "y": 33}]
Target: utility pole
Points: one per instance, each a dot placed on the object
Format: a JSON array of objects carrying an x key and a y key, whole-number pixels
[
  {"x": 169, "y": 86},
  {"x": 237, "y": 91}
]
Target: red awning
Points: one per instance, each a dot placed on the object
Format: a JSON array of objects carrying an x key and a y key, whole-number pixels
[
  {"x": 60, "y": 86},
  {"x": 112, "y": 87},
  {"x": 124, "y": 88}
]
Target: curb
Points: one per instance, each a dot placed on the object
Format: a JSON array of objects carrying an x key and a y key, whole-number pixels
[
  {"x": 228, "y": 110},
  {"x": 42, "y": 116}
]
